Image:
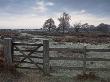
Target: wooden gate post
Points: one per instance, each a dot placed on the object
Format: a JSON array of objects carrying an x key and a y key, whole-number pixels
[
  {"x": 46, "y": 67},
  {"x": 8, "y": 51},
  {"x": 84, "y": 60}
]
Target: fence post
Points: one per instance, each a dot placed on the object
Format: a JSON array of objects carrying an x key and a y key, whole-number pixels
[
  {"x": 46, "y": 67},
  {"x": 84, "y": 61},
  {"x": 8, "y": 51}
]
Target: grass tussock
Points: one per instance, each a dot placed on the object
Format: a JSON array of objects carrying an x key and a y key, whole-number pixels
[{"x": 90, "y": 76}]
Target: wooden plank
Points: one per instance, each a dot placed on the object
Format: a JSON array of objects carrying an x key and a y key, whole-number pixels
[
  {"x": 8, "y": 51},
  {"x": 84, "y": 61},
  {"x": 27, "y": 68},
  {"x": 65, "y": 67},
  {"x": 98, "y": 50},
  {"x": 79, "y": 68},
  {"x": 65, "y": 58},
  {"x": 79, "y": 50},
  {"x": 27, "y": 44},
  {"x": 28, "y": 51},
  {"x": 97, "y": 59},
  {"x": 67, "y": 49},
  {"x": 29, "y": 62},
  {"x": 79, "y": 59},
  {"x": 46, "y": 66},
  {"x": 29, "y": 56}
]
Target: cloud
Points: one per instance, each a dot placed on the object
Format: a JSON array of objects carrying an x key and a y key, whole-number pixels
[
  {"x": 42, "y": 6},
  {"x": 34, "y": 21},
  {"x": 50, "y": 4},
  {"x": 83, "y": 11},
  {"x": 88, "y": 18},
  {"x": 40, "y": 9}
]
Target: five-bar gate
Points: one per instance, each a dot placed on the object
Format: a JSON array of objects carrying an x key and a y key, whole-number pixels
[{"x": 23, "y": 54}]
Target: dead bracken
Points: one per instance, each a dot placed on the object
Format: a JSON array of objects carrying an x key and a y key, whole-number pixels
[{"x": 90, "y": 75}]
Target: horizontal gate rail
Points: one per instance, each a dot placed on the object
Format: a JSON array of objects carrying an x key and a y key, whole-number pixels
[
  {"x": 29, "y": 56},
  {"x": 27, "y": 44},
  {"x": 28, "y": 51},
  {"x": 29, "y": 62},
  {"x": 28, "y": 68}
]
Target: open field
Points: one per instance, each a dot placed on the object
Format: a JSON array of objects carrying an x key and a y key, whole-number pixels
[
  {"x": 92, "y": 38},
  {"x": 64, "y": 75}
]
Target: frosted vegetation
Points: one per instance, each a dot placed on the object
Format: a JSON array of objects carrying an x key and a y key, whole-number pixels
[{"x": 70, "y": 63}]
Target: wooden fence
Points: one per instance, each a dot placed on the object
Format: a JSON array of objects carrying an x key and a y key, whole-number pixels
[
  {"x": 8, "y": 51},
  {"x": 84, "y": 59}
]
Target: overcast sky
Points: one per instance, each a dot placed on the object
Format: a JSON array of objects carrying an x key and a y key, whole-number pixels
[{"x": 33, "y": 13}]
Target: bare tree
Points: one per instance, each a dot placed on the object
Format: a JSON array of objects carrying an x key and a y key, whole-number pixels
[
  {"x": 86, "y": 27},
  {"x": 64, "y": 22},
  {"x": 49, "y": 24},
  {"x": 77, "y": 26}
]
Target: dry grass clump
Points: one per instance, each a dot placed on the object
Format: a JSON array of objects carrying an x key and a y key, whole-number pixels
[
  {"x": 64, "y": 38},
  {"x": 90, "y": 75}
]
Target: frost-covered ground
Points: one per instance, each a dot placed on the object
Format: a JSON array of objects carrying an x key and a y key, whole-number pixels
[{"x": 72, "y": 73}]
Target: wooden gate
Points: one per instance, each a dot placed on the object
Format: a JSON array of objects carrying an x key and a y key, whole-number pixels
[{"x": 24, "y": 55}]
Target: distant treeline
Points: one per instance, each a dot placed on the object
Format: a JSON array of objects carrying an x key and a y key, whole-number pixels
[{"x": 65, "y": 26}]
